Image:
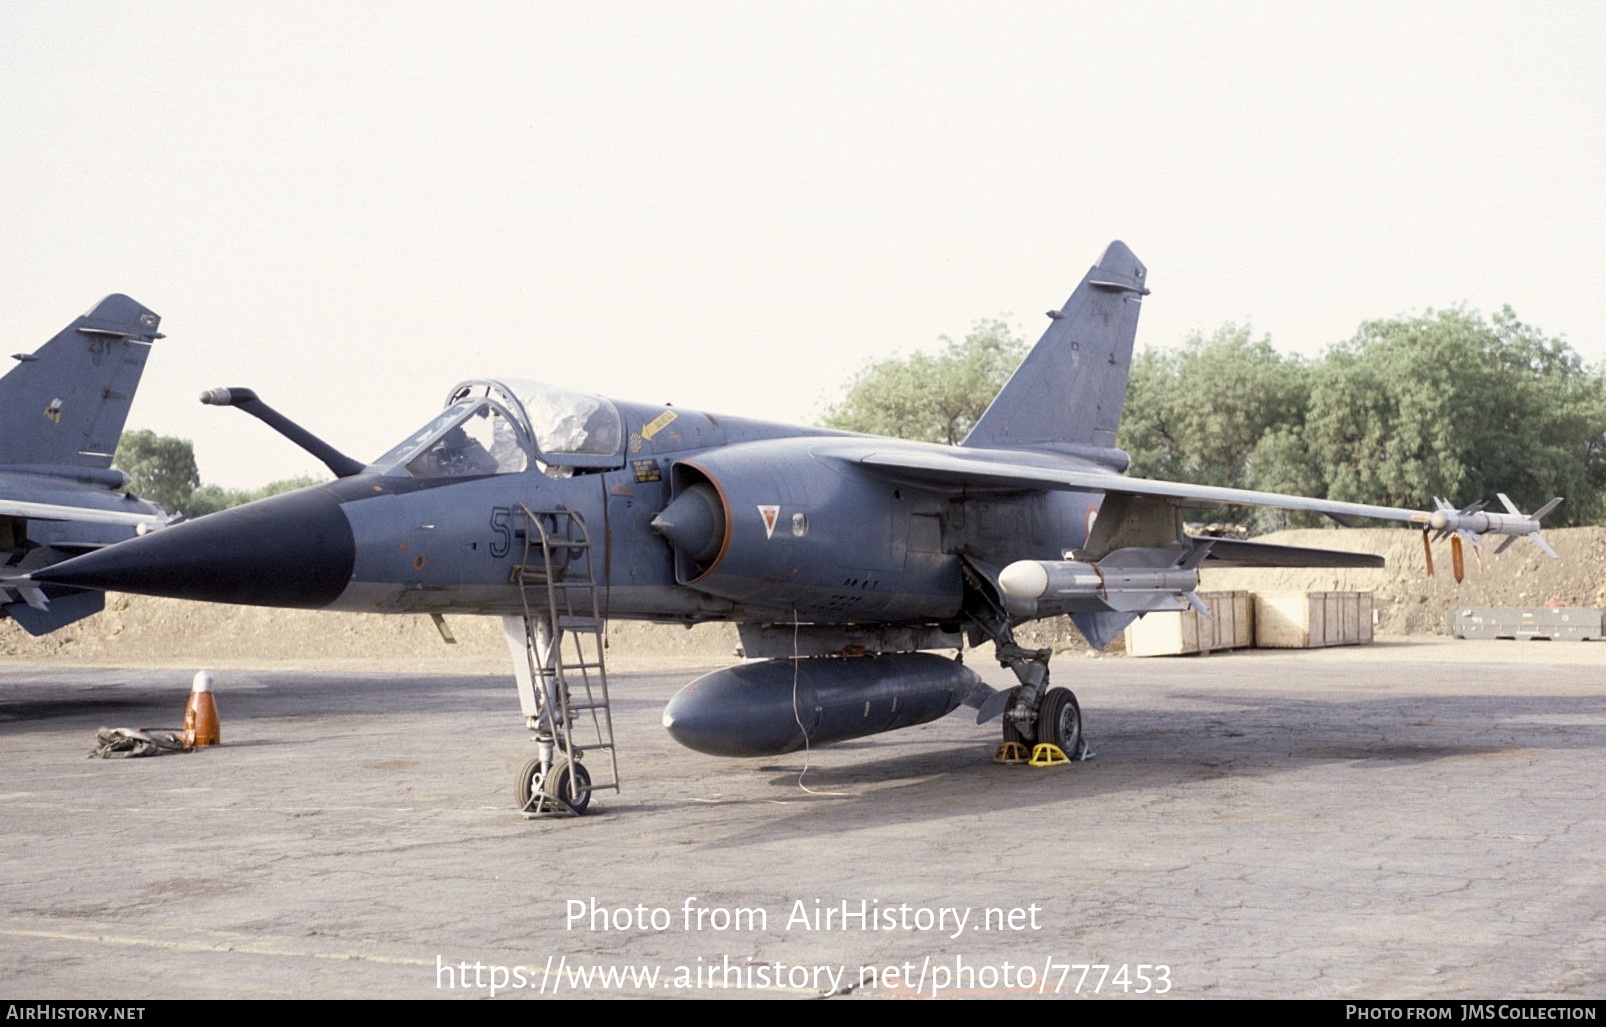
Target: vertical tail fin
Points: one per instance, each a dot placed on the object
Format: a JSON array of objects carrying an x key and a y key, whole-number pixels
[
  {"x": 65, "y": 404},
  {"x": 1070, "y": 388}
]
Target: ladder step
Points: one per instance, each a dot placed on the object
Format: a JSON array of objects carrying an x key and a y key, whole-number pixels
[
  {"x": 570, "y": 664},
  {"x": 566, "y": 546},
  {"x": 557, "y": 578}
]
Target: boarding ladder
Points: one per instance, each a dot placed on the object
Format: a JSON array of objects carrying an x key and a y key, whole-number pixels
[{"x": 557, "y": 579}]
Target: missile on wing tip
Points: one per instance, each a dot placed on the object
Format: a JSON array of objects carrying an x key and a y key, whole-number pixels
[
  {"x": 1482, "y": 523},
  {"x": 1513, "y": 524}
]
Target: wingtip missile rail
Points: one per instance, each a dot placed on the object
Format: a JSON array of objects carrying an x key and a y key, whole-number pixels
[{"x": 1471, "y": 523}]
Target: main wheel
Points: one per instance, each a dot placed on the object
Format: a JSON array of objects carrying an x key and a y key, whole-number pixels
[
  {"x": 557, "y": 785},
  {"x": 1059, "y": 721}
]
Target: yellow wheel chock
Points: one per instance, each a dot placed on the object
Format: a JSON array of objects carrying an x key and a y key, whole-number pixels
[{"x": 1046, "y": 754}]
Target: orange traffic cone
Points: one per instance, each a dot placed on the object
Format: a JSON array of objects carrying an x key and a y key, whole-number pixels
[{"x": 200, "y": 716}]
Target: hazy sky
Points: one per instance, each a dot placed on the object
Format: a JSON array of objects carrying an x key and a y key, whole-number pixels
[{"x": 733, "y": 206}]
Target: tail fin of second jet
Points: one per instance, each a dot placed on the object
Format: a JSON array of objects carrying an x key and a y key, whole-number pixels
[
  {"x": 65, "y": 403},
  {"x": 1069, "y": 390}
]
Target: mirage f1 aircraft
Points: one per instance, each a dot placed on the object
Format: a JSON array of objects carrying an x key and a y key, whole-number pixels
[
  {"x": 61, "y": 414},
  {"x": 846, "y": 560}
]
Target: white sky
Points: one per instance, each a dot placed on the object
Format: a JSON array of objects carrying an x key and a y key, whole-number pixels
[{"x": 733, "y": 206}]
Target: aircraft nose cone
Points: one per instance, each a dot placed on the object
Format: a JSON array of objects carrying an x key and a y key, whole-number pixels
[{"x": 294, "y": 550}]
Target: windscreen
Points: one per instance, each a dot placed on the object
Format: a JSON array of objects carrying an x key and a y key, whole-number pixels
[{"x": 469, "y": 438}]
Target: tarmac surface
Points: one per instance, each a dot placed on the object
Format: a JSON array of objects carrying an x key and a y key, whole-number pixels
[{"x": 1404, "y": 820}]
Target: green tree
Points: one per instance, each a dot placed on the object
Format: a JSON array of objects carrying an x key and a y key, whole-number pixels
[
  {"x": 160, "y": 467},
  {"x": 1226, "y": 410},
  {"x": 931, "y": 398},
  {"x": 1443, "y": 404},
  {"x": 1448, "y": 404},
  {"x": 212, "y": 498}
]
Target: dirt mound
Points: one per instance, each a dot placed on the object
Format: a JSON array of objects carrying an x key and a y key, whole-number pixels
[
  {"x": 134, "y": 629},
  {"x": 1408, "y": 602},
  {"x": 137, "y": 629}
]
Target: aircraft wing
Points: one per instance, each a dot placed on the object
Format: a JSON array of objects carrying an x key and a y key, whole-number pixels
[
  {"x": 984, "y": 472},
  {"x": 1002, "y": 476},
  {"x": 1233, "y": 552},
  {"x": 86, "y": 514}
]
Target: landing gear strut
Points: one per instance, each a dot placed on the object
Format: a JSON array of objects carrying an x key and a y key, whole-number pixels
[
  {"x": 563, "y": 695},
  {"x": 1036, "y": 714},
  {"x": 554, "y": 781}
]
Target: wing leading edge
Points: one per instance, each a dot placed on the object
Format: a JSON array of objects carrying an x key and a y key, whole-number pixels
[
  {"x": 87, "y": 514},
  {"x": 992, "y": 475},
  {"x": 987, "y": 473}
]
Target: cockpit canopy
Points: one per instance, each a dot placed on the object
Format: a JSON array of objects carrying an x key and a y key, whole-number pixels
[{"x": 500, "y": 427}]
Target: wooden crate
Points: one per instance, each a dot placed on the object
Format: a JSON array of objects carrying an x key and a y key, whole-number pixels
[
  {"x": 1312, "y": 620},
  {"x": 1175, "y": 633}
]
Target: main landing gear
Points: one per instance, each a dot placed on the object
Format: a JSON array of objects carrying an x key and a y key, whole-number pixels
[
  {"x": 1034, "y": 713},
  {"x": 1037, "y": 714}
]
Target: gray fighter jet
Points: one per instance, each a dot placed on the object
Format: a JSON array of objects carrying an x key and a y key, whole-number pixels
[
  {"x": 848, "y": 561},
  {"x": 61, "y": 414}
]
